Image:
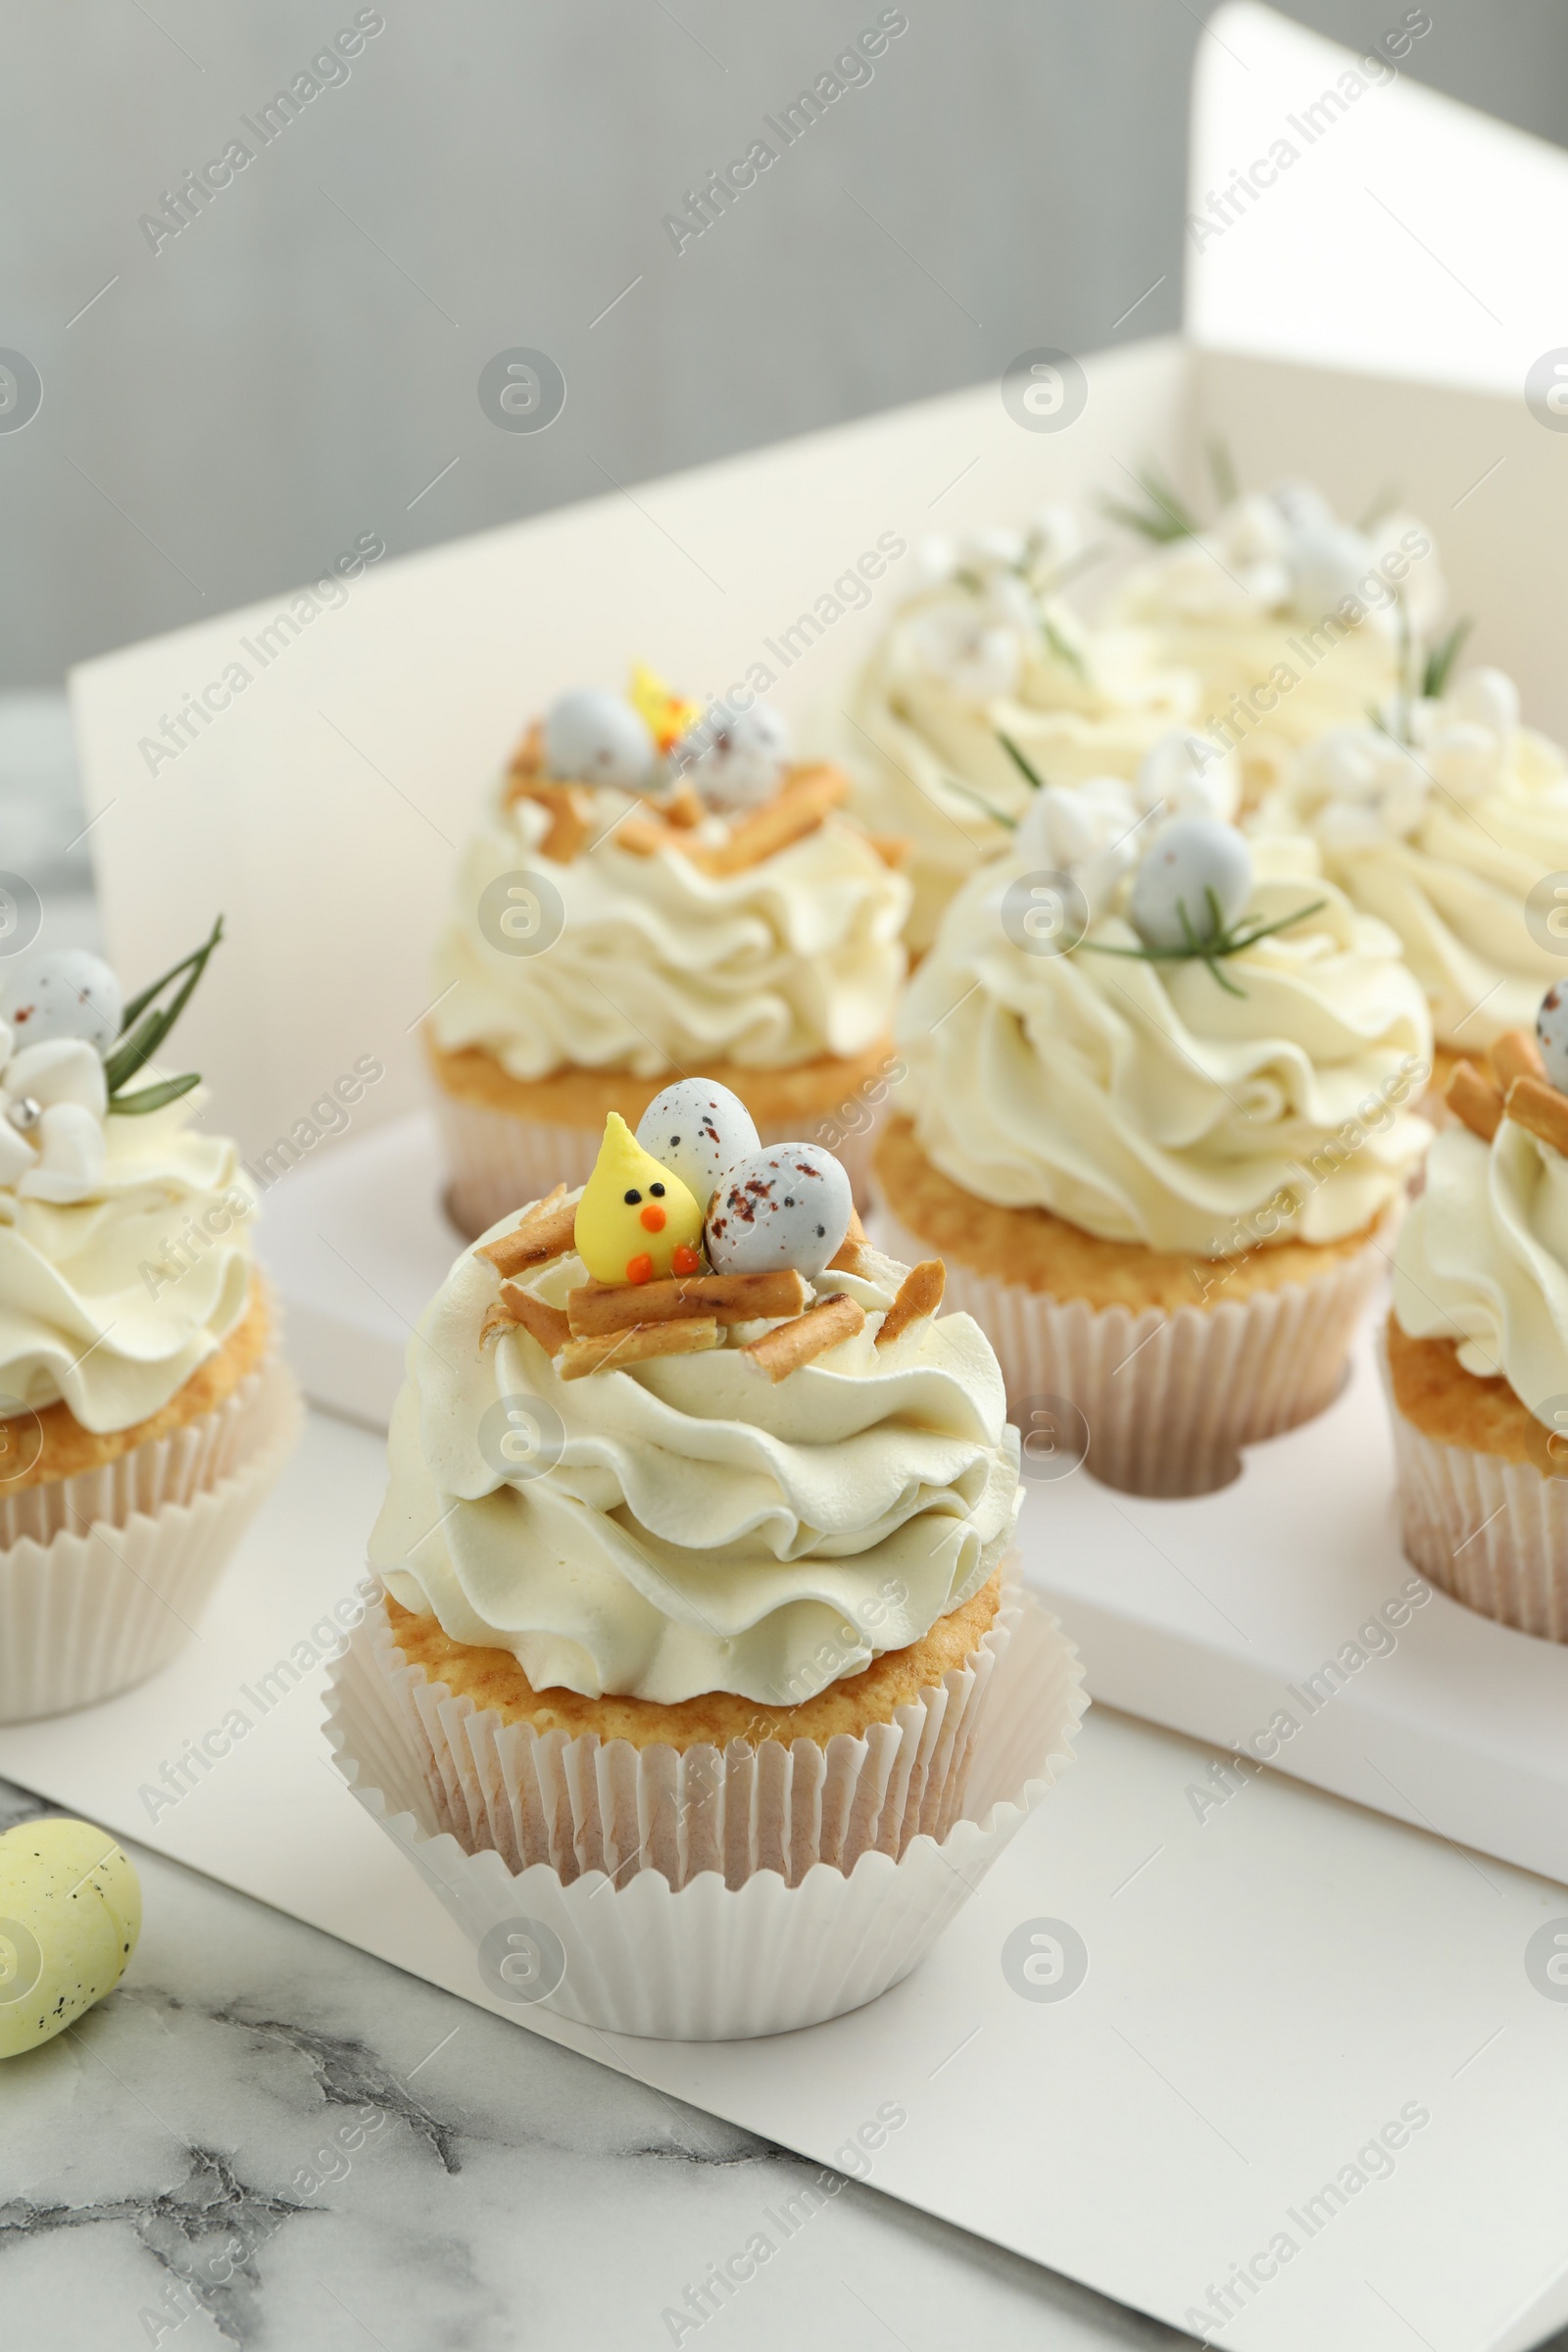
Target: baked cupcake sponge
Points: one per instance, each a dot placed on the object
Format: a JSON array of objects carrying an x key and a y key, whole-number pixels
[
  {"x": 68, "y": 1448},
  {"x": 1041, "y": 1251},
  {"x": 493, "y": 1680}
]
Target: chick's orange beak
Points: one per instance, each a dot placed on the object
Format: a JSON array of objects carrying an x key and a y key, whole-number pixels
[{"x": 653, "y": 1217}]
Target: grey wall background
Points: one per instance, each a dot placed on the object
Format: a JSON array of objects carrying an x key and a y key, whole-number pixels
[{"x": 298, "y": 364}]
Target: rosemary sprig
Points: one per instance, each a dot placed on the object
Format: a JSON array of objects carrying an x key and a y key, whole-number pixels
[
  {"x": 1209, "y": 948},
  {"x": 1064, "y": 650},
  {"x": 142, "y": 1037},
  {"x": 1029, "y": 772},
  {"x": 153, "y": 1098},
  {"x": 1163, "y": 519},
  {"x": 1442, "y": 658},
  {"x": 995, "y": 815},
  {"x": 971, "y": 581}
]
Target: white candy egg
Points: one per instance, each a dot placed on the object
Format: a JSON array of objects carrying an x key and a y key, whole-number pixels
[
  {"x": 936, "y": 559},
  {"x": 67, "y": 994},
  {"x": 786, "y": 1207},
  {"x": 1191, "y": 859},
  {"x": 1488, "y": 698},
  {"x": 1254, "y": 531},
  {"x": 593, "y": 737},
  {"x": 1189, "y": 776},
  {"x": 1301, "y": 504},
  {"x": 1345, "y": 766},
  {"x": 1463, "y": 759},
  {"x": 738, "y": 760},
  {"x": 697, "y": 1130},
  {"x": 1066, "y": 823},
  {"x": 1551, "y": 1034},
  {"x": 1056, "y": 535},
  {"x": 1327, "y": 561}
]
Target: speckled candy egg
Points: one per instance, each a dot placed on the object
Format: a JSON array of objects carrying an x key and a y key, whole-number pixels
[
  {"x": 1191, "y": 857},
  {"x": 593, "y": 737},
  {"x": 741, "y": 761},
  {"x": 786, "y": 1207},
  {"x": 697, "y": 1130},
  {"x": 69, "y": 1915},
  {"x": 1551, "y": 1034},
  {"x": 67, "y": 994}
]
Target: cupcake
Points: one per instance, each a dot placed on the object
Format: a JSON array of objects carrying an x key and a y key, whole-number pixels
[
  {"x": 143, "y": 1406},
  {"x": 986, "y": 656},
  {"x": 1440, "y": 821},
  {"x": 702, "y": 1577},
  {"x": 655, "y": 890},
  {"x": 1159, "y": 1131},
  {"x": 1291, "y": 622},
  {"x": 1477, "y": 1342}
]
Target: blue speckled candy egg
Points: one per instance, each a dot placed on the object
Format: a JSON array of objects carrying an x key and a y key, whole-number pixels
[
  {"x": 67, "y": 994},
  {"x": 594, "y": 737},
  {"x": 1190, "y": 858},
  {"x": 697, "y": 1130},
  {"x": 741, "y": 762},
  {"x": 789, "y": 1205},
  {"x": 1551, "y": 1034}
]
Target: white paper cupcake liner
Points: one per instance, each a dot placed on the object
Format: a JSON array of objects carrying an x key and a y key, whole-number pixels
[
  {"x": 498, "y": 1162},
  {"x": 100, "y": 1607},
  {"x": 171, "y": 1469},
  {"x": 694, "y": 1897},
  {"x": 1169, "y": 1399},
  {"x": 1492, "y": 1533}
]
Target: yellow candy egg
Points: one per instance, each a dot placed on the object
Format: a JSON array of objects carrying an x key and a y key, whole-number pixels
[
  {"x": 635, "y": 1220},
  {"x": 69, "y": 1916}
]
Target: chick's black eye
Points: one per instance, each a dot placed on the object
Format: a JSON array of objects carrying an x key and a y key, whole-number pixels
[
  {"x": 658, "y": 1191},
  {"x": 632, "y": 1197}
]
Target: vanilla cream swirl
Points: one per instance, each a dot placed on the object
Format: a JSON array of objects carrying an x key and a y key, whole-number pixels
[
  {"x": 688, "y": 1524},
  {"x": 111, "y": 1302},
  {"x": 1288, "y": 619},
  {"x": 1445, "y": 838},
  {"x": 1145, "y": 1103},
  {"x": 1483, "y": 1258},
  {"x": 659, "y": 966},
  {"x": 955, "y": 672}
]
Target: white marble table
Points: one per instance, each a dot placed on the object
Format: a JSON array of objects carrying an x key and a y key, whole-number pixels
[{"x": 266, "y": 2138}]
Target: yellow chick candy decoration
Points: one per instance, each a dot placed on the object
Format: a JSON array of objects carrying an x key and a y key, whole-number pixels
[
  {"x": 69, "y": 1915},
  {"x": 635, "y": 1220},
  {"x": 665, "y": 713}
]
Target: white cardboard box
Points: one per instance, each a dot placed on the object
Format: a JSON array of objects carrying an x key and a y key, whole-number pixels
[
  {"x": 1270, "y": 1985},
  {"x": 322, "y": 810}
]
